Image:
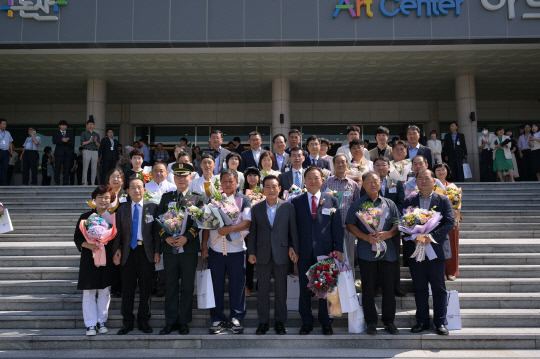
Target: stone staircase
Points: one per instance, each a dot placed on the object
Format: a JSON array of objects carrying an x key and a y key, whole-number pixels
[{"x": 499, "y": 284}]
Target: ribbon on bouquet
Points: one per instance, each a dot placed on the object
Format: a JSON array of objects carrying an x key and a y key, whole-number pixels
[
  {"x": 422, "y": 250},
  {"x": 381, "y": 246}
]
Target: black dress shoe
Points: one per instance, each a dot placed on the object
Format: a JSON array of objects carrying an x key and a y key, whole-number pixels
[
  {"x": 280, "y": 328},
  {"x": 124, "y": 330},
  {"x": 399, "y": 292},
  {"x": 441, "y": 330},
  {"x": 168, "y": 329},
  {"x": 327, "y": 329},
  {"x": 183, "y": 329},
  {"x": 418, "y": 328},
  {"x": 391, "y": 328},
  {"x": 371, "y": 329},
  {"x": 262, "y": 328},
  {"x": 306, "y": 329},
  {"x": 145, "y": 328}
]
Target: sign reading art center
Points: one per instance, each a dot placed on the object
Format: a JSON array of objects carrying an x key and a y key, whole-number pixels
[{"x": 428, "y": 8}]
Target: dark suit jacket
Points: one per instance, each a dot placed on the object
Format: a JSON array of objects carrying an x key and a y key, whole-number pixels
[
  {"x": 265, "y": 240},
  {"x": 321, "y": 163},
  {"x": 321, "y": 235},
  {"x": 398, "y": 197},
  {"x": 284, "y": 165},
  {"x": 105, "y": 150},
  {"x": 248, "y": 160},
  {"x": 222, "y": 156},
  {"x": 63, "y": 148},
  {"x": 151, "y": 241},
  {"x": 192, "y": 233},
  {"x": 426, "y": 152},
  {"x": 459, "y": 151},
  {"x": 440, "y": 233},
  {"x": 286, "y": 181}
]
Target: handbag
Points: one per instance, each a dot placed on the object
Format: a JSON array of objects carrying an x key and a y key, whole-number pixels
[
  {"x": 467, "y": 171},
  {"x": 357, "y": 322},
  {"x": 293, "y": 292},
  {"x": 453, "y": 312},
  {"x": 347, "y": 292},
  {"x": 5, "y": 222},
  {"x": 205, "y": 287}
]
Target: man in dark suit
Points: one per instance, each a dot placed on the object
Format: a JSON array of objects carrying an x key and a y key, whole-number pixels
[
  {"x": 180, "y": 253},
  {"x": 313, "y": 145},
  {"x": 454, "y": 152},
  {"x": 320, "y": 232},
  {"x": 376, "y": 269},
  {"x": 415, "y": 148},
  {"x": 295, "y": 140},
  {"x": 62, "y": 153},
  {"x": 108, "y": 154},
  {"x": 218, "y": 153},
  {"x": 136, "y": 247},
  {"x": 295, "y": 174},
  {"x": 273, "y": 241},
  {"x": 250, "y": 158},
  {"x": 430, "y": 271},
  {"x": 282, "y": 157}
]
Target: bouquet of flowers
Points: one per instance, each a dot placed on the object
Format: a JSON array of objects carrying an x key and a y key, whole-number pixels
[
  {"x": 1, "y": 210},
  {"x": 415, "y": 222},
  {"x": 400, "y": 169},
  {"x": 356, "y": 170},
  {"x": 174, "y": 223},
  {"x": 293, "y": 192},
  {"x": 99, "y": 231},
  {"x": 204, "y": 218},
  {"x": 323, "y": 276},
  {"x": 325, "y": 174},
  {"x": 454, "y": 195},
  {"x": 152, "y": 197},
  {"x": 373, "y": 218},
  {"x": 217, "y": 184},
  {"x": 255, "y": 196},
  {"x": 146, "y": 177}
]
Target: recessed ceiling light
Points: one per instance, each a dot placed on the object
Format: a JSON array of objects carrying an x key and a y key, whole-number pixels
[
  {"x": 250, "y": 63},
  {"x": 373, "y": 62},
  {"x": 189, "y": 64},
  {"x": 311, "y": 63},
  {"x": 127, "y": 64}
]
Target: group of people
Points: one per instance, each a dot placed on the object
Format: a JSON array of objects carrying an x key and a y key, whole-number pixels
[{"x": 273, "y": 233}]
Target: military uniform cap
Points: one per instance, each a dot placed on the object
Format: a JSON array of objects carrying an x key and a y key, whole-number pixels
[{"x": 182, "y": 169}]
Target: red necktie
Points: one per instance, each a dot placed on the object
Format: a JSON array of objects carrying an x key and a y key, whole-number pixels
[
  {"x": 314, "y": 164},
  {"x": 313, "y": 206}
]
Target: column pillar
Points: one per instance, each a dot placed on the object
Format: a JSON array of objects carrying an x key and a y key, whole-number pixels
[
  {"x": 281, "y": 96},
  {"x": 433, "y": 122},
  {"x": 466, "y": 106},
  {"x": 96, "y": 102},
  {"x": 127, "y": 130}
]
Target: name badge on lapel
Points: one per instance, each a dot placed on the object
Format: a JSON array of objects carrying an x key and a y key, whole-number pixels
[
  {"x": 326, "y": 211},
  {"x": 148, "y": 218},
  {"x": 457, "y": 143},
  {"x": 347, "y": 193},
  {"x": 123, "y": 199},
  {"x": 393, "y": 190},
  {"x": 287, "y": 169},
  {"x": 112, "y": 148}
]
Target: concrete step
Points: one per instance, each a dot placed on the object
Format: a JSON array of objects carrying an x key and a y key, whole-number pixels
[
  {"x": 404, "y": 318},
  {"x": 17, "y": 237},
  {"x": 54, "y": 302},
  {"x": 506, "y": 220},
  {"x": 291, "y": 345},
  {"x": 493, "y": 234},
  {"x": 26, "y": 230},
  {"x": 487, "y": 226},
  {"x": 39, "y": 261}
]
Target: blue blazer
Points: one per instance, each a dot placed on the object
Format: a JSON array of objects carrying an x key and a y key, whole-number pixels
[
  {"x": 321, "y": 163},
  {"x": 62, "y": 148},
  {"x": 426, "y": 152},
  {"x": 322, "y": 235},
  {"x": 440, "y": 233},
  {"x": 247, "y": 160}
]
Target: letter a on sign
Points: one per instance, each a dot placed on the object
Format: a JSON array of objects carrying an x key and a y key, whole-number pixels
[{"x": 344, "y": 4}]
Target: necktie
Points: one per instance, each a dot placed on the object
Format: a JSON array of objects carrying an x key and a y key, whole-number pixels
[
  {"x": 297, "y": 181},
  {"x": 313, "y": 206},
  {"x": 63, "y": 134},
  {"x": 313, "y": 162},
  {"x": 135, "y": 226}
]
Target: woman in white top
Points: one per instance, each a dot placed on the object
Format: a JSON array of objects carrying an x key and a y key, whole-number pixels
[
  {"x": 435, "y": 146},
  {"x": 202, "y": 184},
  {"x": 266, "y": 162},
  {"x": 323, "y": 150}
]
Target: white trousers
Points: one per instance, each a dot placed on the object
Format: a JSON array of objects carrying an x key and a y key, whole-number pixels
[
  {"x": 95, "y": 306},
  {"x": 89, "y": 156}
]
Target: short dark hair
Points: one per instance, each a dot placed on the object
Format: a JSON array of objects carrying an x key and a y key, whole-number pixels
[
  {"x": 448, "y": 170},
  {"x": 356, "y": 143},
  {"x": 231, "y": 155},
  {"x": 109, "y": 129},
  {"x": 61, "y": 122},
  {"x": 252, "y": 171},
  {"x": 267, "y": 154},
  {"x": 313, "y": 168},
  {"x": 339, "y": 155},
  {"x": 207, "y": 155},
  {"x": 3, "y": 120},
  {"x": 46, "y": 149},
  {"x": 122, "y": 175},
  {"x": 370, "y": 173},
  {"x": 294, "y": 130},
  {"x": 228, "y": 171},
  {"x": 159, "y": 163},
  {"x": 400, "y": 143},
  {"x": 101, "y": 190},
  {"x": 184, "y": 139},
  {"x": 143, "y": 140},
  {"x": 434, "y": 132},
  {"x": 268, "y": 178},
  {"x": 312, "y": 138},
  {"x": 424, "y": 159},
  {"x": 134, "y": 177},
  {"x": 136, "y": 152},
  {"x": 454, "y": 123},
  {"x": 237, "y": 139},
  {"x": 383, "y": 130},
  {"x": 382, "y": 158},
  {"x": 216, "y": 132},
  {"x": 254, "y": 133},
  {"x": 353, "y": 128},
  {"x": 297, "y": 149},
  {"x": 182, "y": 154},
  {"x": 325, "y": 141},
  {"x": 498, "y": 128},
  {"x": 278, "y": 135},
  {"x": 429, "y": 171},
  {"x": 91, "y": 120},
  {"x": 414, "y": 128}
]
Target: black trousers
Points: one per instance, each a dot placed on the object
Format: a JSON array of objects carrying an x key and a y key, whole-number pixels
[
  {"x": 373, "y": 272},
  {"x": 63, "y": 163},
  {"x": 304, "y": 307},
  {"x": 30, "y": 163},
  {"x": 526, "y": 170},
  {"x": 179, "y": 266},
  {"x": 106, "y": 167},
  {"x": 4, "y": 165},
  {"x": 486, "y": 166},
  {"x": 431, "y": 272},
  {"x": 137, "y": 270},
  {"x": 456, "y": 166}
]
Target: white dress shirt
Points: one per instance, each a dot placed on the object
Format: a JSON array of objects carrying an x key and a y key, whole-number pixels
[
  {"x": 317, "y": 199},
  {"x": 163, "y": 186}
]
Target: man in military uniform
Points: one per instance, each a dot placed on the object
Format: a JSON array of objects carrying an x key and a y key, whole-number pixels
[{"x": 180, "y": 254}]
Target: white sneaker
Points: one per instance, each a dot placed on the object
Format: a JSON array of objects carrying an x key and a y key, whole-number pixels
[
  {"x": 90, "y": 331},
  {"x": 102, "y": 329}
]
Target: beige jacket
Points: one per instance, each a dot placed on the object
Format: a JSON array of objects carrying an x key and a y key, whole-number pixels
[{"x": 506, "y": 148}]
